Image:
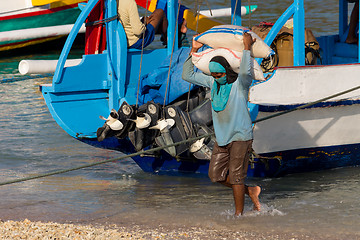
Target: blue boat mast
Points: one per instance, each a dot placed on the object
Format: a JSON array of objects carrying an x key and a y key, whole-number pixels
[
  {"x": 299, "y": 33},
  {"x": 172, "y": 40},
  {"x": 236, "y": 12}
]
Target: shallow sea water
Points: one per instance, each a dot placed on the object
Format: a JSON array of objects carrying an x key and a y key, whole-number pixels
[{"x": 317, "y": 205}]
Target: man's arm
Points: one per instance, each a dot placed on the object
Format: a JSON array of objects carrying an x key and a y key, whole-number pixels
[
  {"x": 245, "y": 65},
  {"x": 137, "y": 26},
  {"x": 188, "y": 73}
]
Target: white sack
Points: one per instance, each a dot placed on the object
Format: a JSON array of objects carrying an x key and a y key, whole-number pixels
[
  {"x": 231, "y": 37},
  {"x": 201, "y": 61}
]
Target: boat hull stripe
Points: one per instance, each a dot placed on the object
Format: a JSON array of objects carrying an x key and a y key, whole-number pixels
[{"x": 37, "y": 13}]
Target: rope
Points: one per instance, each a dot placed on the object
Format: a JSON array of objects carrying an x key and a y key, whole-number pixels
[
  {"x": 141, "y": 57},
  {"x": 188, "y": 95},
  {"x": 102, "y": 162},
  {"x": 102, "y": 21},
  {"x": 170, "y": 145},
  {"x": 208, "y": 4},
  {"x": 233, "y": 19},
  {"x": 196, "y": 30},
  {"x": 18, "y": 10},
  {"x": 172, "y": 53},
  {"x": 249, "y": 15},
  {"x": 197, "y": 15},
  {"x": 197, "y": 22},
  {"x": 187, "y": 110}
]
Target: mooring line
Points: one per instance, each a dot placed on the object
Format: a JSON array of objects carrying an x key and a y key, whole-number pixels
[
  {"x": 171, "y": 145},
  {"x": 102, "y": 162}
]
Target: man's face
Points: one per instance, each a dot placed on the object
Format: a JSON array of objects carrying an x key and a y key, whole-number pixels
[{"x": 217, "y": 74}]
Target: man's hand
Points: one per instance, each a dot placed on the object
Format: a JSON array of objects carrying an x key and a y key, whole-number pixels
[
  {"x": 146, "y": 20},
  {"x": 248, "y": 41},
  {"x": 195, "y": 45}
]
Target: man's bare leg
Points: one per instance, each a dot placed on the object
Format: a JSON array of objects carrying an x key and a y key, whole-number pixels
[
  {"x": 254, "y": 193},
  {"x": 156, "y": 18},
  {"x": 183, "y": 27},
  {"x": 239, "y": 198},
  {"x": 354, "y": 19}
]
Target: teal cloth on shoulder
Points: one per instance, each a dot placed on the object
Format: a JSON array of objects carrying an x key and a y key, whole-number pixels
[
  {"x": 221, "y": 90},
  {"x": 220, "y": 97}
]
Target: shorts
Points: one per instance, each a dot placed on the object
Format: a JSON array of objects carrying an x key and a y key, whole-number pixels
[
  {"x": 148, "y": 38},
  {"x": 232, "y": 160}
]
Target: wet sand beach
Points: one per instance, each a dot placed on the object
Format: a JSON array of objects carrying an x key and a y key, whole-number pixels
[
  {"x": 38, "y": 230},
  {"x": 27, "y": 229}
]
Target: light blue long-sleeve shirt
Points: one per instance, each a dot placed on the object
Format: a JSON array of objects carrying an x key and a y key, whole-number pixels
[{"x": 234, "y": 122}]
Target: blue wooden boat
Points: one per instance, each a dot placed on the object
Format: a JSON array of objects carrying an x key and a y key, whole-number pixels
[{"x": 146, "y": 86}]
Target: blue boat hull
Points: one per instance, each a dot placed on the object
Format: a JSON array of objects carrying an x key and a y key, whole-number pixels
[
  {"x": 275, "y": 164},
  {"x": 102, "y": 82}
]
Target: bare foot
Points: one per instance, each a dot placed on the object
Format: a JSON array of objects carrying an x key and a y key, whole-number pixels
[
  {"x": 254, "y": 193},
  {"x": 183, "y": 28},
  {"x": 351, "y": 40}
]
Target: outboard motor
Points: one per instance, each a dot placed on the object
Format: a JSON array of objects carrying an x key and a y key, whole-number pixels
[
  {"x": 202, "y": 114},
  {"x": 143, "y": 135},
  {"x": 179, "y": 128},
  {"x": 117, "y": 124},
  {"x": 126, "y": 115},
  {"x": 202, "y": 120},
  {"x": 110, "y": 127},
  {"x": 202, "y": 148}
]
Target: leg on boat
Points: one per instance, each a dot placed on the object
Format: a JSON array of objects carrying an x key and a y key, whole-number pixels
[
  {"x": 354, "y": 19},
  {"x": 158, "y": 20}
]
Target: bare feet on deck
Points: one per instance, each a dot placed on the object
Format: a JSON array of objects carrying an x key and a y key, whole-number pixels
[
  {"x": 254, "y": 193},
  {"x": 351, "y": 40}
]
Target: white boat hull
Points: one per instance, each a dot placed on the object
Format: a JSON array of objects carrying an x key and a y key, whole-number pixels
[
  {"x": 308, "y": 128},
  {"x": 299, "y": 85},
  {"x": 331, "y": 123},
  {"x": 35, "y": 33}
]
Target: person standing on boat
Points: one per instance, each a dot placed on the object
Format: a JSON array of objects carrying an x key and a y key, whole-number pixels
[
  {"x": 231, "y": 120},
  {"x": 354, "y": 20},
  {"x": 136, "y": 28}
]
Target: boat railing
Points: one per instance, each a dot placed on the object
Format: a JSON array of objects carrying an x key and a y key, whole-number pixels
[
  {"x": 297, "y": 11},
  {"x": 70, "y": 40},
  {"x": 117, "y": 52}
]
